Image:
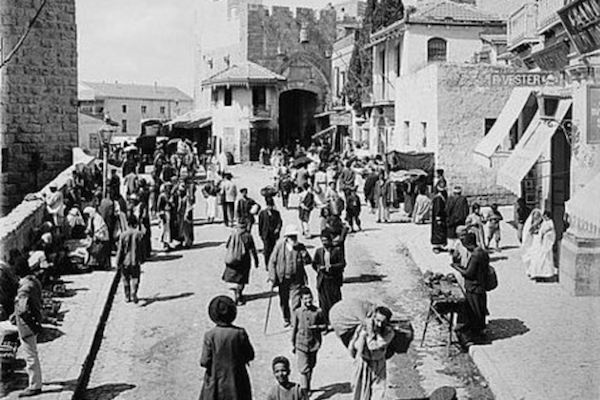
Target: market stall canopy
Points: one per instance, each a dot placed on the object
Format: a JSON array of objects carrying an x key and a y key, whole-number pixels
[
  {"x": 530, "y": 147},
  {"x": 411, "y": 161},
  {"x": 195, "y": 119},
  {"x": 500, "y": 130},
  {"x": 327, "y": 131},
  {"x": 301, "y": 161},
  {"x": 583, "y": 208}
]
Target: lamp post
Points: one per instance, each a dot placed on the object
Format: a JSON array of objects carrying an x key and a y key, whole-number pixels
[{"x": 105, "y": 132}]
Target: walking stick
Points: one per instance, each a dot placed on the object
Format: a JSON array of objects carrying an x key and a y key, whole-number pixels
[{"x": 269, "y": 307}]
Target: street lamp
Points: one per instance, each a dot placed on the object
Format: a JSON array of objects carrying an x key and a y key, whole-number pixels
[{"x": 105, "y": 133}]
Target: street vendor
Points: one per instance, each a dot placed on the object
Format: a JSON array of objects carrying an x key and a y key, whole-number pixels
[{"x": 472, "y": 321}]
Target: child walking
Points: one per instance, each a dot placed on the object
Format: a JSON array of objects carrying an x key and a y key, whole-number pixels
[
  {"x": 284, "y": 389},
  {"x": 493, "y": 218},
  {"x": 308, "y": 322},
  {"x": 353, "y": 209}
]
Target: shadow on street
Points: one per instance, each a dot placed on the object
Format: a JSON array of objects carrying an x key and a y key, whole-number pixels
[
  {"x": 149, "y": 300},
  {"x": 164, "y": 257},
  {"x": 364, "y": 278},
  {"x": 107, "y": 391},
  {"x": 505, "y": 328},
  {"x": 330, "y": 391}
]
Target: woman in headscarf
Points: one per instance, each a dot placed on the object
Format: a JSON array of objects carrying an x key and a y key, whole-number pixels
[
  {"x": 74, "y": 224},
  {"x": 163, "y": 208},
  {"x": 422, "y": 208},
  {"x": 98, "y": 231},
  {"x": 475, "y": 224},
  {"x": 439, "y": 221},
  {"x": 226, "y": 353},
  {"x": 186, "y": 215},
  {"x": 539, "y": 236},
  {"x": 237, "y": 269}
]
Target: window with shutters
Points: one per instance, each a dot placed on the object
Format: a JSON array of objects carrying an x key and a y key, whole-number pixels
[{"x": 436, "y": 50}]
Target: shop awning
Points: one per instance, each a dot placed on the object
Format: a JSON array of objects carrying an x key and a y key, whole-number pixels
[
  {"x": 195, "y": 119},
  {"x": 583, "y": 208},
  {"x": 507, "y": 118},
  {"x": 529, "y": 149},
  {"x": 326, "y": 131}
]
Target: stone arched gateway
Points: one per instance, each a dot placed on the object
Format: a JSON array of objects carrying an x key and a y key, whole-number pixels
[{"x": 303, "y": 95}]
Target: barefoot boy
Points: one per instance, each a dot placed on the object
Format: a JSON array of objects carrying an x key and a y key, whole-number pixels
[
  {"x": 308, "y": 322},
  {"x": 284, "y": 390}
]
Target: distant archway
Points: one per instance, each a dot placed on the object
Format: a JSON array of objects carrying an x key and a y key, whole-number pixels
[{"x": 296, "y": 117}]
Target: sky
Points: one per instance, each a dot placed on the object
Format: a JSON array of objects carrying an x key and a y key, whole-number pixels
[
  {"x": 137, "y": 41},
  {"x": 143, "y": 41}
]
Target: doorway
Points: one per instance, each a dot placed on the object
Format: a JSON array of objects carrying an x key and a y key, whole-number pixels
[
  {"x": 296, "y": 117},
  {"x": 560, "y": 183},
  {"x": 259, "y": 138}
]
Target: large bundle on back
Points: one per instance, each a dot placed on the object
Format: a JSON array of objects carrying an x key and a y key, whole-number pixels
[{"x": 349, "y": 314}]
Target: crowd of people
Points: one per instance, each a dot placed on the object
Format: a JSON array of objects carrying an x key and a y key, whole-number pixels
[{"x": 87, "y": 221}]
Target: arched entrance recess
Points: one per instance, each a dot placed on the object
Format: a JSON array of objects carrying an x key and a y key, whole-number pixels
[
  {"x": 296, "y": 122},
  {"x": 307, "y": 87}
]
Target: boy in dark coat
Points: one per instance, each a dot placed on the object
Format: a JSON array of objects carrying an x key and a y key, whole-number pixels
[
  {"x": 353, "y": 209},
  {"x": 225, "y": 354},
  {"x": 307, "y": 325},
  {"x": 130, "y": 254}
]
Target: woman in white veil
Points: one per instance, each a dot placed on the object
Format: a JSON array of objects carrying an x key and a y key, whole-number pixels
[{"x": 539, "y": 236}]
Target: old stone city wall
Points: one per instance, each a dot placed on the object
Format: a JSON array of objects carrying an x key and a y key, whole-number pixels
[
  {"x": 277, "y": 35},
  {"x": 38, "y": 96}
]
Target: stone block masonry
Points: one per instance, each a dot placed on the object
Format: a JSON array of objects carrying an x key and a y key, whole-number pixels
[
  {"x": 465, "y": 101},
  {"x": 38, "y": 96}
]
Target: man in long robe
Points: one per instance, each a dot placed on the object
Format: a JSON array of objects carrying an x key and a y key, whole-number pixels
[
  {"x": 329, "y": 263},
  {"x": 438, "y": 222},
  {"x": 475, "y": 275},
  {"x": 457, "y": 210}
]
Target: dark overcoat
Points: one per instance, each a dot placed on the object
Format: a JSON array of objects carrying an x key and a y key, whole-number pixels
[{"x": 226, "y": 352}]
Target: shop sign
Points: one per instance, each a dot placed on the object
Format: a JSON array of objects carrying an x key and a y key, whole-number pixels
[
  {"x": 553, "y": 58},
  {"x": 593, "y": 113},
  {"x": 581, "y": 19},
  {"x": 525, "y": 79},
  {"x": 340, "y": 119}
]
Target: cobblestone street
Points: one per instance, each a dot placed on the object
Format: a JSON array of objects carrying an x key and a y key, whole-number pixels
[{"x": 151, "y": 351}]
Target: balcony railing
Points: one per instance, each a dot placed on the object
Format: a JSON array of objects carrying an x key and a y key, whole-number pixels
[
  {"x": 547, "y": 13},
  {"x": 522, "y": 26},
  {"x": 262, "y": 112}
]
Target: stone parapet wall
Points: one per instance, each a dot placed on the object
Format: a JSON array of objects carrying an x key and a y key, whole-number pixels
[
  {"x": 38, "y": 96},
  {"x": 15, "y": 228}
]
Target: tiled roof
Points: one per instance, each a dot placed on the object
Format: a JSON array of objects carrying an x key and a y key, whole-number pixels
[
  {"x": 243, "y": 72},
  {"x": 132, "y": 91},
  {"x": 448, "y": 11}
]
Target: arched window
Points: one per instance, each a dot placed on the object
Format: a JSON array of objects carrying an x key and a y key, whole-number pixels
[{"x": 436, "y": 50}]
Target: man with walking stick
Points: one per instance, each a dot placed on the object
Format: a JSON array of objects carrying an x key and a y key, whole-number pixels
[{"x": 286, "y": 270}]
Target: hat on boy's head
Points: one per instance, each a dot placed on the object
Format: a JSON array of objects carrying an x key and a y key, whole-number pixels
[
  {"x": 222, "y": 310},
  {"x": 457, "y": 189}
]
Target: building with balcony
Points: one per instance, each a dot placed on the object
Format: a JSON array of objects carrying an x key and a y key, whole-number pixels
[
  {"x": 434, "y": 33},
  {"x": 523, "y": 35},
  {"x": 292, "y": 46},
  {"x": 244, "y": 109},
  {"x": 130, "y": 104}
]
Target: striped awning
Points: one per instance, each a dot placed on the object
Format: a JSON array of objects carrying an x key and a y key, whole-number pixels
[
  {"x": 500, "y": 130},
  {"x": 530, "y": 147}
]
